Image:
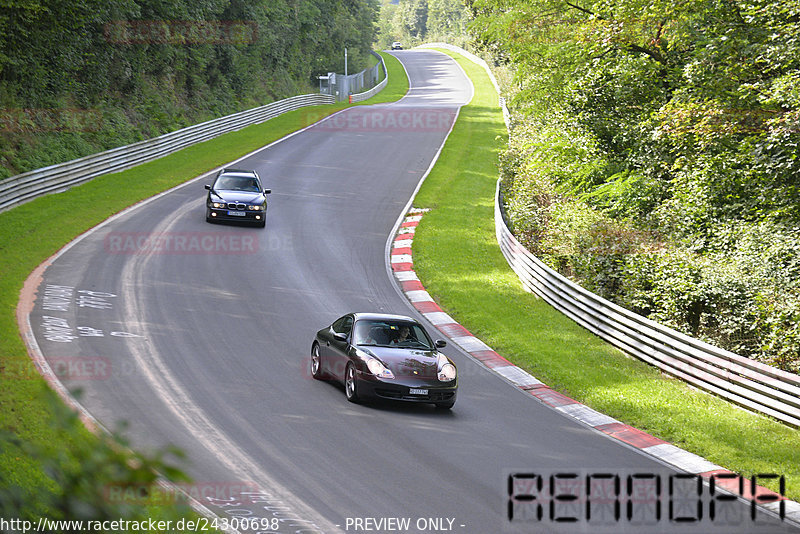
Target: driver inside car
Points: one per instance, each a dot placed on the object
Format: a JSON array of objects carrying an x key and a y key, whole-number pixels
[{"x": 402, "y": 335}]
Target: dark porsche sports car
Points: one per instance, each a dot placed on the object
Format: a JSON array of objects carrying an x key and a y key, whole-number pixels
[
  {"x": 237, "y": 195},
  {"x": 381, "y": 356}
]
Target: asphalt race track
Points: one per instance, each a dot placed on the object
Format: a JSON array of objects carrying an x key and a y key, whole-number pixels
[{"x": 198, "y": 335}]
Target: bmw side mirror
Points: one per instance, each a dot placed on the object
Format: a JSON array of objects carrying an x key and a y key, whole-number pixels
[
  {"x": 267, "y": 191},
  {"x": 440, "y": 343},
  {"x": 208, "y": 187},
  {"x": 339, "y": 337}
]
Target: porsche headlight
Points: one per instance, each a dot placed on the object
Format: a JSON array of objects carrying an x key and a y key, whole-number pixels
[
  {"x": 378, "y": 369},
  {"x": 447, "y": 372}
]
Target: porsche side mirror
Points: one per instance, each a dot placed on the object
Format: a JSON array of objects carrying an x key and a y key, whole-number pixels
[
  {"x": 208, "y": 187},
  {"x": 267, "y": 191},
  {"x": 440, "y": 343}
]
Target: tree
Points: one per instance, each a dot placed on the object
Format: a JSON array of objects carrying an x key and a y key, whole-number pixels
[{"x": 677, "y": 121}]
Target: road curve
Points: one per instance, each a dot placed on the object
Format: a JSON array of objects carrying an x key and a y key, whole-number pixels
[{"x": 198, "y": 335}]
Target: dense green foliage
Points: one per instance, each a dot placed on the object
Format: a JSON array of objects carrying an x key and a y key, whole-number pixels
[
  {"x": 83, "y": 76},
  {"x": 91, "y": 482},
  {"x": 413, "y": 22},
  {"x": 654, "y": 156}
]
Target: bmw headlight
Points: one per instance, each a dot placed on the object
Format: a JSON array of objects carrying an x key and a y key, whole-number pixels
[
  {"x": 257, "y": 207},
  {"x": 218, "y": 204},
  {"x": 447, "y": 372},
  {"x": 378, "y": 369}
]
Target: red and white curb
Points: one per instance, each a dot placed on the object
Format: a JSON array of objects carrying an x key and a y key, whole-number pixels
[{"x": 403, "y": 270}]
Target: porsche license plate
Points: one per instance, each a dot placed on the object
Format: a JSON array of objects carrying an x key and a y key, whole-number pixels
[
  {"x": 236, "y": 213},
  {"x": 416, "y": 391}
]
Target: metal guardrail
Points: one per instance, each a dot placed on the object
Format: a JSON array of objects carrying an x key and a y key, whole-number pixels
[
  {"x": 55, "y": 178},
  {"x": 743, "y": 381},
  {"x": 359, "y": 97}
]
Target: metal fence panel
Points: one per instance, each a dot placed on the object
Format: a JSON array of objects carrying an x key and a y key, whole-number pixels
[
  {"x": 374, "y": 74},
  {"x": 352, "y": 86}
]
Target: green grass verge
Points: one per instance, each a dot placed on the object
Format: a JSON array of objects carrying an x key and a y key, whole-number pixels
[
  {"x": 31, "y": 233},
  {"x": 458, "y": 260}
]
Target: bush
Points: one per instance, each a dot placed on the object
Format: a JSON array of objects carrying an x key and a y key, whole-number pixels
[
  {"x": 740, "y": 290},
  {"x": 655, "y": 155},
  {"x": 79, "y": 481}
]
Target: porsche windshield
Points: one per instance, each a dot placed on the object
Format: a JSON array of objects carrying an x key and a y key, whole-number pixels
[{"x": 400, "y": 334}]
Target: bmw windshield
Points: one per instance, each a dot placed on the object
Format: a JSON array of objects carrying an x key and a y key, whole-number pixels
[{"x": 237, "y": 183}]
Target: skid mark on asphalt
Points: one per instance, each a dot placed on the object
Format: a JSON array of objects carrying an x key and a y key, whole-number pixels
[{"x": 180, "y": 403}]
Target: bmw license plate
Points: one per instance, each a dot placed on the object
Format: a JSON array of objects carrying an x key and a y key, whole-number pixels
[
  {"x": 236, "y": 213},
  {"x": 416, "y": 391}
]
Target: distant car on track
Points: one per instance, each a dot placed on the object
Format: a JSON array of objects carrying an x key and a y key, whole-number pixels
[
  {"x": 381, "y": 356},
  {"x": 237, "y": 195},
  {"x": 397, "y": 45}
]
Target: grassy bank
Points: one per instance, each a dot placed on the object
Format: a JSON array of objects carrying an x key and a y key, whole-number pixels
[
  {"x": 458, "y": 260},
  {"x": 36, "y": 438}
]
